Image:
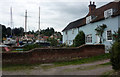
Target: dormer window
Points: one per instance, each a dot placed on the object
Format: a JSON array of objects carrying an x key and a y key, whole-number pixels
[
  {"x": 88, "y": 19},
  {"x": 108, "y": 13}
]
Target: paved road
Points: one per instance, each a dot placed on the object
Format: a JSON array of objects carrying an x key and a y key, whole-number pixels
[{"x": 93, "y": 68}]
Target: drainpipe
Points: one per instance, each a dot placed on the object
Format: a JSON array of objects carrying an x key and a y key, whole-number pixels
[
  {"x": 78, "y": 30},
  {"x": 67, "y": 37}
]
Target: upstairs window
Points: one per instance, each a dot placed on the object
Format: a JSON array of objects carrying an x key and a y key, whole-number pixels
[
  {"x": 88, "y": 19},
  {"x": 89, "y": 38},
  {"x": 108, "y": 13},
  {"x": 109, "y": 35}
]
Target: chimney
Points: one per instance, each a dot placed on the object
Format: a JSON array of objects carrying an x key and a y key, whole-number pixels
[{"x": 92, "y": 7}]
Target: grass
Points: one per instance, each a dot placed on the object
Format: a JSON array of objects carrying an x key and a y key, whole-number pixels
[
  {"x": 111, "y": 73},
  {"x": 15, "y": 67},
  {"x": 108, "y": 73},
  {"x": 87, "y": 67},
  {"x": 84, "y": 60},
  {"x": 108, "y": 63}
]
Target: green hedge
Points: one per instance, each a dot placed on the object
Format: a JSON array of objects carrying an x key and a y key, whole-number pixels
[
  {"x": 79, "y": 39},
  {"x": 115, "y": 51}
]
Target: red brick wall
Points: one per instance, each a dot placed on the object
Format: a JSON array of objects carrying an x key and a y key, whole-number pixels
[{"x": 40, "y": 55}]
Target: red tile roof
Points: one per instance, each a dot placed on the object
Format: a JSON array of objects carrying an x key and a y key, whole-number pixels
[{"x": 98, "y": 13}]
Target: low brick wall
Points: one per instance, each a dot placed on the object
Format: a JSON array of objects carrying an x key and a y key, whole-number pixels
[{"x": 40, "y": 55}]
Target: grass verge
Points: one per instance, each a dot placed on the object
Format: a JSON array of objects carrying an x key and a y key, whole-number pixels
[
  {"x": 91, "y": 67},
  {"x": 84, "y": 60}
]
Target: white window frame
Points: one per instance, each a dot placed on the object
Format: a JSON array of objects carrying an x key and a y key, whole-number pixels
[
  {"x": 70, "y": 42},
  {"x": 107, "y": 35},
  {"x": 87, "y": 40},
  {"x": 88, "y": 19},
  {"x": 108, "y": 13},
  {"x": 66, "y": 42}
]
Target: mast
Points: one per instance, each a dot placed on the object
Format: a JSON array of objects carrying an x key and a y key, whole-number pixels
[
  {"x": 39, "y": 26},
  {"x": 25, "y": 21},
  {"x": 11, "y": 19},
  {"x": 39, "y": 21}
]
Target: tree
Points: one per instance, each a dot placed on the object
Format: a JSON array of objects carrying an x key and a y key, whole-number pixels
[
  {"x": 48, "y": 31},
  {"x": 53, "y": 41},
  {"x": 100, "y": 30},
  {"x": 115, "y": 51},
  {"x": 8, "y": 31},
  {"x": 3, "y": 31},
  {"x": 18, "y": 31},
  {"x": 79, "y": 39},
  {"x": 21, "y": 30}
]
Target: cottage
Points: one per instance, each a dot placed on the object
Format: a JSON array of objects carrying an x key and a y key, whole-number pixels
[{"x": 108, "y": 14}]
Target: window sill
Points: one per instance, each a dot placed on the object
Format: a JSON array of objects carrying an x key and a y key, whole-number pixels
[{"x": 109, "y": 40}]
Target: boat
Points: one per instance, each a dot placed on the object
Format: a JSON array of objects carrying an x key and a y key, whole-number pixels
[{"x": 9, "y": 42}]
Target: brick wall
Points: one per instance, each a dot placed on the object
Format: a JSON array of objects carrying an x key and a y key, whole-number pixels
[{"x": 40, "y": 55}]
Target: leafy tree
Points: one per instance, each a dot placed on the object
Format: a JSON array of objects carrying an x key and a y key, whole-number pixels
[
  {"x": 32, "y": 32},
  {"x": 79, "y": 39},
  {"x": 8, "y": 31},
  {"x": 115, "y": 51},
  {"x": 48, "y": 31},
  {"x": 100, "y": 30},
  {"x": 18, "y": 31},
  {"x": 3, "y": 31},
  {"x": 53, "y": 41},
  {"x": 21, "y": 30}
]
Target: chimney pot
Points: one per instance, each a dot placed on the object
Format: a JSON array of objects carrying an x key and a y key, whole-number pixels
[
  {"x": 90, "y": 2},
  {"x": 92, "y": 7},
  {"x": 93, "y": 3}
]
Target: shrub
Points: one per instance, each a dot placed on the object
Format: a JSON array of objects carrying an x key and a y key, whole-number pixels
[
  {"x": 115, "y": 56},
  {"x": 115, "y": 51},
  {"x": 53, "y": 41},
  {"x": 62, "y": 45},
  {"x": 79, "y": 39},
  {"x": 32, "y": 46}
]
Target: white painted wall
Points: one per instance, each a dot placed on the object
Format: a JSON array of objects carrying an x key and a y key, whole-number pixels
[
  {"x": 112, "y": 24},
  {"x": 70, "y": 36}
]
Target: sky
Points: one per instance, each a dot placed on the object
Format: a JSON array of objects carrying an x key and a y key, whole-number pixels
[{"x": 53, "y": 13}]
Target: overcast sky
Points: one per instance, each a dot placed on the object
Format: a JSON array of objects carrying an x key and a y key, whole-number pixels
[{"x": 54, "y": 13}]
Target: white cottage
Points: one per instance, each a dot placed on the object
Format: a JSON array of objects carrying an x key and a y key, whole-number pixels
[{"x": 108, "y": 14}]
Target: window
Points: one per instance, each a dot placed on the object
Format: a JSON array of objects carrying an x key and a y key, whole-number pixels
[
  {"x": 72, "y": 31},
  {"x": 70, "y": 41},
  {"x": 109, "y": 35},
  {"x": 88, "y": 19},
  {"x": 108, "y": 13},
  {"x": 89, "y": 38},
  {"x": 66, "y": 42}
]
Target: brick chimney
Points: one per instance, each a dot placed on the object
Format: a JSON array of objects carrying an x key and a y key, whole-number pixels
[{"x": 92, "y": 7}]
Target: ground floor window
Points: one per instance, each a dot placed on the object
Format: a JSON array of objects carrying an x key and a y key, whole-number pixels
[
  {"x": 66, "y": 42},
  {"x": 70, "y": 41},
  {"x": 89, "y": 38},
  {"x": 109, "y": 35}
]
